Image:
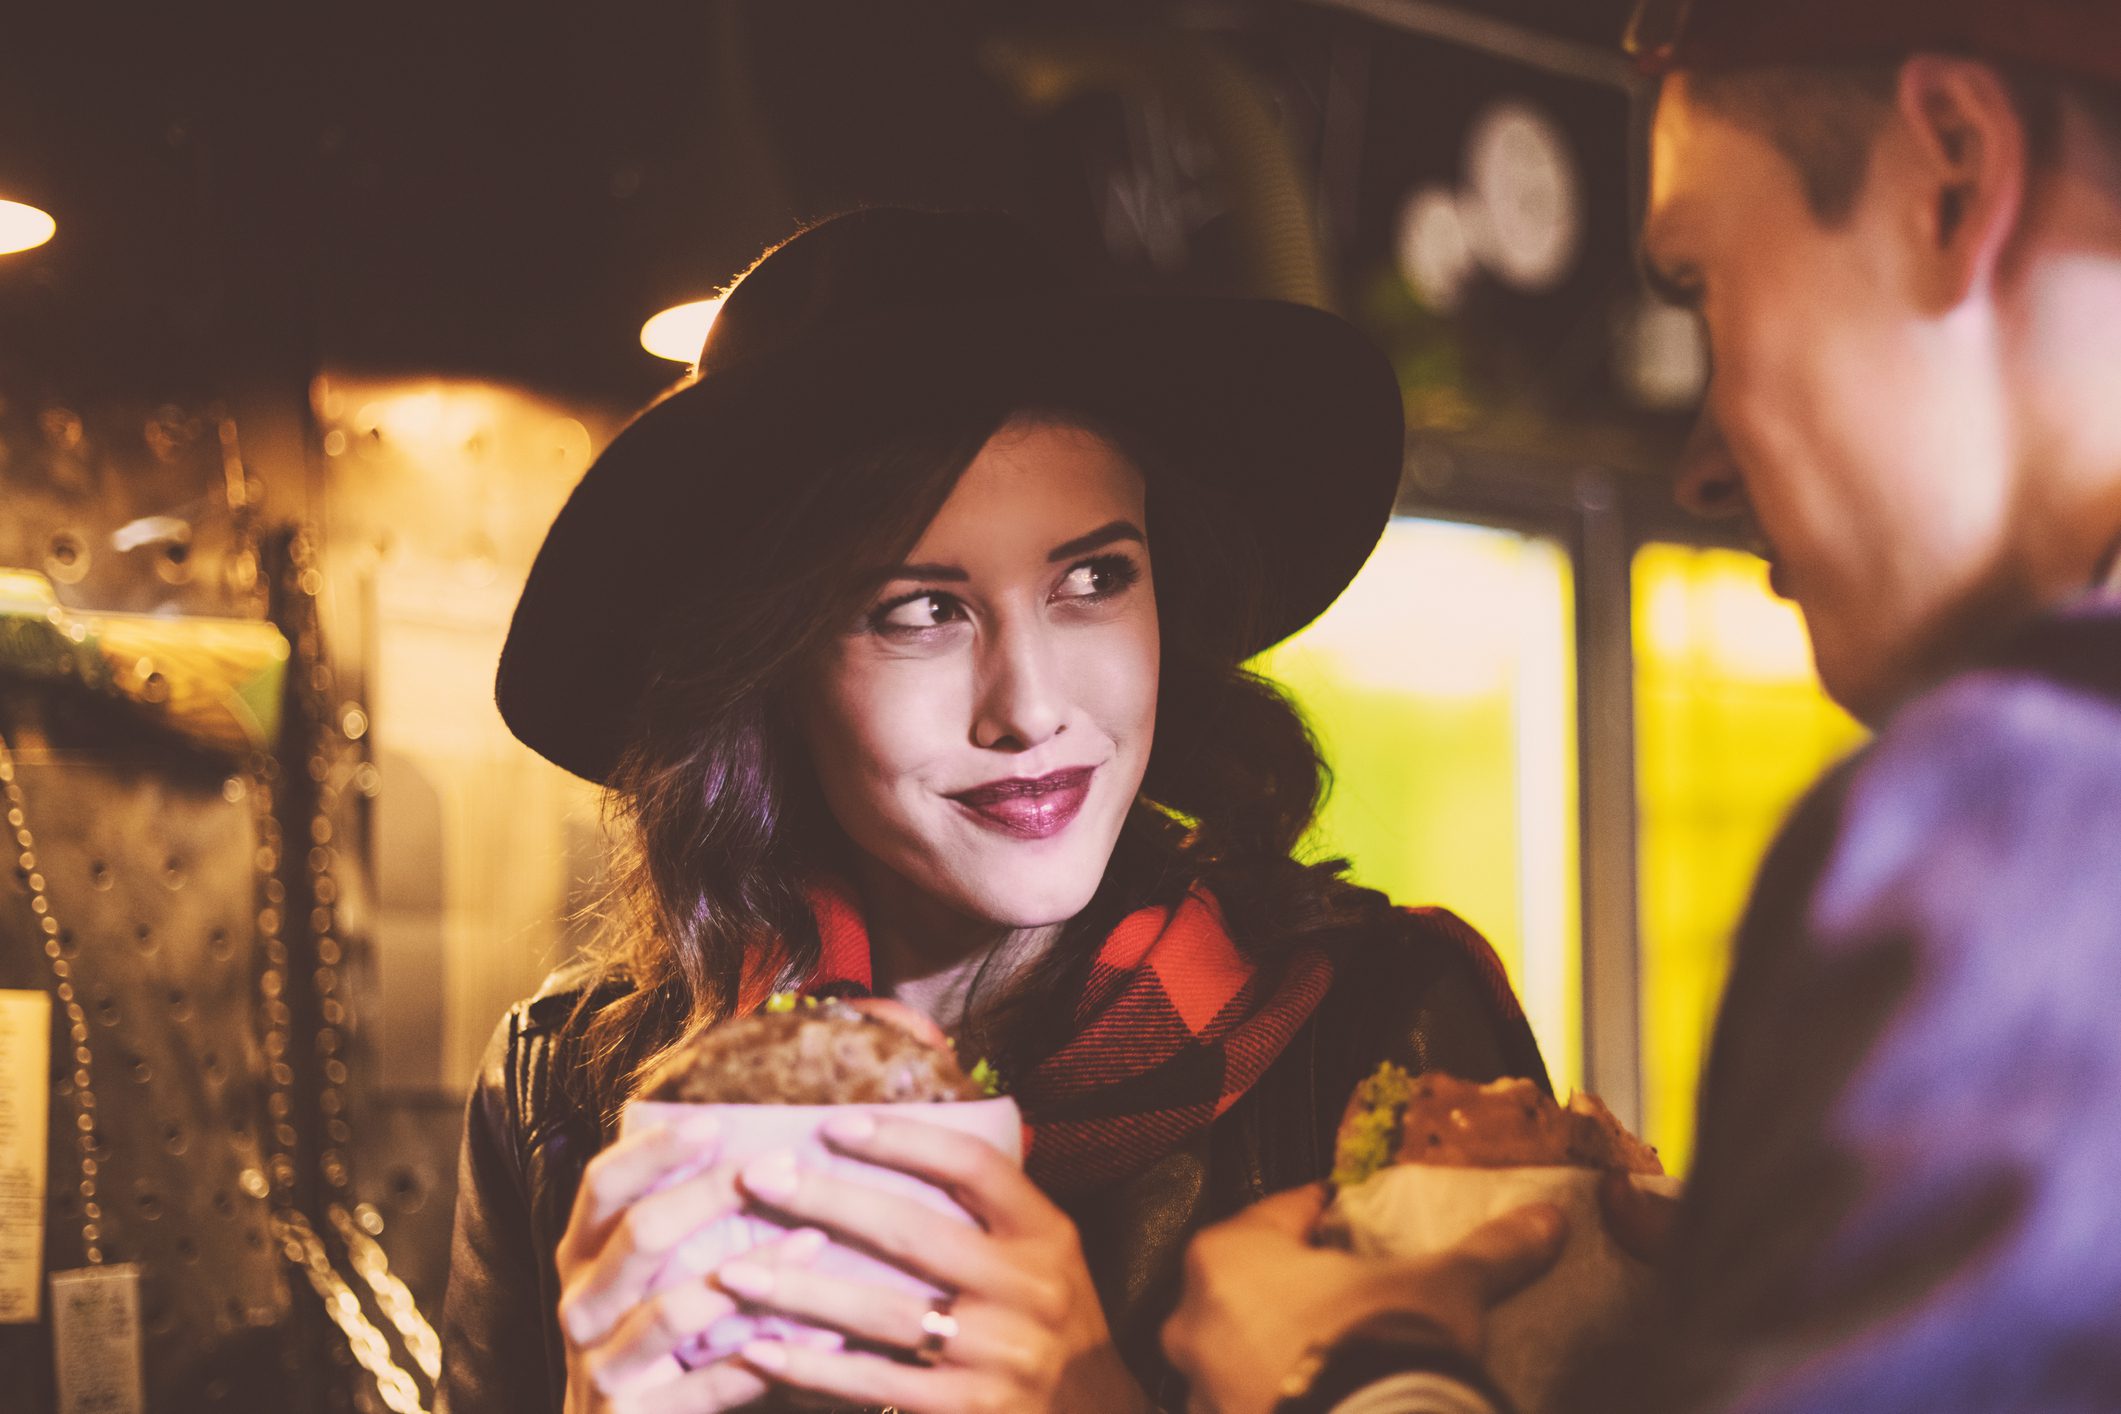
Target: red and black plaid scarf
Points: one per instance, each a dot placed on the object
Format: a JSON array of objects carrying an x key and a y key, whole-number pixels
[{"x": 1173, "y": 1025}]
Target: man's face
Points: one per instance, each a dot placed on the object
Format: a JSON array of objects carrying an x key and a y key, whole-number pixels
[{"x": 1860, "y": 411}]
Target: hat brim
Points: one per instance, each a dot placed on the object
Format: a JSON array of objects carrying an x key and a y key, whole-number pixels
[{"x": 1288, "y": 416}]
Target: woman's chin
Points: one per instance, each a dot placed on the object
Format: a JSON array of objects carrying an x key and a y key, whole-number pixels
[
  {"x": 1035, "y": 905},
  {"x": 1030, "y": 893}
]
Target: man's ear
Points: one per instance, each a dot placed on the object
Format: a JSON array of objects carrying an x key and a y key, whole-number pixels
[{"x": 1970, "y": 142}]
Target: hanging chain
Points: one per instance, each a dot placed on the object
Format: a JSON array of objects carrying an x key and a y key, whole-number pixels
[
  {"x": 306, "y": 1250},
  {"x": 298, "y": 1239},
  {"x": 392, "y": 1296},
  {"x": 84, "y": 1093}
]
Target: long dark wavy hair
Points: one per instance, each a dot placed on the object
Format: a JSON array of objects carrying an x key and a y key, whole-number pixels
[{"x": 720, "y": 821}]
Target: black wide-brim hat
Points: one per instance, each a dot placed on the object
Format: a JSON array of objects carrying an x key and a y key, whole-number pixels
[{"x": 1287, "y": 416}]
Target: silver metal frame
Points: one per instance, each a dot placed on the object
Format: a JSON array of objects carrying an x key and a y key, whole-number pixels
[{"x": 1603, "y": 519}]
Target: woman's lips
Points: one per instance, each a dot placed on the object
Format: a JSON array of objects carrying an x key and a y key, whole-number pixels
[{"x": 1030, "y": 809}]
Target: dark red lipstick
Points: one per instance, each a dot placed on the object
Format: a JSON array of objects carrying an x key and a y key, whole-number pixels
[{"x": 1030, "y": 808}]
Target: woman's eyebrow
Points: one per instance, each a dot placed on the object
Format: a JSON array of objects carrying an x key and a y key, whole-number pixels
[
  {"x": 948, "y": 573},
  {"x": 1098, "y": 539}
]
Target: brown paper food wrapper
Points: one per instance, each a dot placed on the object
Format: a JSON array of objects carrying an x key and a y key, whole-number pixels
[{"x": 1591, "y": 1296}]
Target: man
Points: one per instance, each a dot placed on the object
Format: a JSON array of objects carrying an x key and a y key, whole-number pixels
[{"x": 1901, "y": 220}]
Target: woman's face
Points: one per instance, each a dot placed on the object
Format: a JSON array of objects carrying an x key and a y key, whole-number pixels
[{"x": 982, "y": 728}]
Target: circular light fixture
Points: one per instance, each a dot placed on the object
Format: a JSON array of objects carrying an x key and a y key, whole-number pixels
[
  {"x": 679, "y": 332},
  {"x": 1435, "y": 253},
  {"x": 1526, "y": 196},
  {"x": 23, "y": 227}
]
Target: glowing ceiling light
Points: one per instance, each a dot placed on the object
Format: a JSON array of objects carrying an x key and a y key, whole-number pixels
[
  {"x": 679, "y": 331},
  {"x": 23, "y": 227}
]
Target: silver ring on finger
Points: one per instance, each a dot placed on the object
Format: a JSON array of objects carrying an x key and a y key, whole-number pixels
[{"x": 938, "y": 1329}]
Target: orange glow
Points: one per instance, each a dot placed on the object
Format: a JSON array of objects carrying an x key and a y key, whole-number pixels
[
  {"x": 23, "y": 227},
  {"x": 679, "y": 331}
]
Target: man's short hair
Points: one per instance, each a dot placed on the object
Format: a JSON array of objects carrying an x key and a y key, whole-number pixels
[{"x": 1826, "y": 118}]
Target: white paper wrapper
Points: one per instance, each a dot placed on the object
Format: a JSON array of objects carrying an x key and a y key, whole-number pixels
[
  {"x": 1590, "y": 1295},
  {"x": 752, "y": 1131}
]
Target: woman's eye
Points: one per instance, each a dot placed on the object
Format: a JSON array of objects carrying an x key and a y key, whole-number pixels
[
  {"x": 1100, "y": 578},
  {"x": 917, "y": 612}
]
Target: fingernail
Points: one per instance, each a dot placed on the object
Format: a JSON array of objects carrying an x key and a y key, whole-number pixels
[
  {"x": 745, "y": 1279},
  {"x": 766, "y": 1354},
  {"x": 772, "y": 1176},
  {"x": 699, "y": 1128},
  {"x": 803, "y": 1244},
  {"x": 851, "y": 1128}
]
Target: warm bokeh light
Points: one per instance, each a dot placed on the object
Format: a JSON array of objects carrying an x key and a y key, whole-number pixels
[
  {"x": 23, "y": 227},
  {"x": 1442, "y": 688},
  {"x": 679, "y": 331},
  {"x": 1731, "y": 728}
]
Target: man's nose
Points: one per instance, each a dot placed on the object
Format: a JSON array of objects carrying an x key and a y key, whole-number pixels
[
  {"x": 1020, "y": 696},
  {"x": 1708, "y": 483}
]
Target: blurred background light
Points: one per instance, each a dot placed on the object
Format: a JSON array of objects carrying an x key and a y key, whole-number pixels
[
  {"x": 1731, "y": 729},
  {"x": 1442, "y": 687},
  {"x": 23, "y": 227},
  {"x": 679, "y": 331}
]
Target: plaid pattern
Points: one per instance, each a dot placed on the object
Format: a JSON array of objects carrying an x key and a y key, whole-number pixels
[{"x": 1173, "y": 1026}]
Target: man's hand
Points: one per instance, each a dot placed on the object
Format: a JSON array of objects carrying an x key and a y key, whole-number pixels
[
  {"x": 1258, "y": 1296},
  {"x": 1640, "y": 1220}
]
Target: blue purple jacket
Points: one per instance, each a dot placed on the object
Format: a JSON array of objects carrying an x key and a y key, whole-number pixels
[{"x": 1908, "y": 1188}]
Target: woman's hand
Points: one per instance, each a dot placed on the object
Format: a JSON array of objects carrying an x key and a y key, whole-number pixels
[
  {"x": 639, "y": 1199},
  {"x": 1259, "y": 1297},
  {"x": 1029, "y": 1332}
]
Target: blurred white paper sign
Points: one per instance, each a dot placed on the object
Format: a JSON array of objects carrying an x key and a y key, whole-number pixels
[
  {"x": 96, "y": 1340},
  {"x": 25, "y": 1114}
]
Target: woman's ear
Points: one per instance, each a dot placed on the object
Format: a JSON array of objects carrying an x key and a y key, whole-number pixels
[{"x": 1973, "y": 166}]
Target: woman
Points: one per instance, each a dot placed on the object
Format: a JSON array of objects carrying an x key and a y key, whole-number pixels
[{"x": 906, "y": 638}]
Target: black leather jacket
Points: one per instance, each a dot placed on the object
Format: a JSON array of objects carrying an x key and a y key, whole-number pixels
[{"x": 1409, "y": 995}]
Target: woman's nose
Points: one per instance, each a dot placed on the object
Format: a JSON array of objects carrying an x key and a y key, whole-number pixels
[
  {"x": 1020, "y": 698},
  {"x": 1708, "y": 483}
]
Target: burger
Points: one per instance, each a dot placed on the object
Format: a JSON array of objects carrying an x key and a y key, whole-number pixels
[
  {"x": 807, "y": 1051},
  {"x": 1423, "y": 1160},
  {"x": 1397, "y": 1118}
]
